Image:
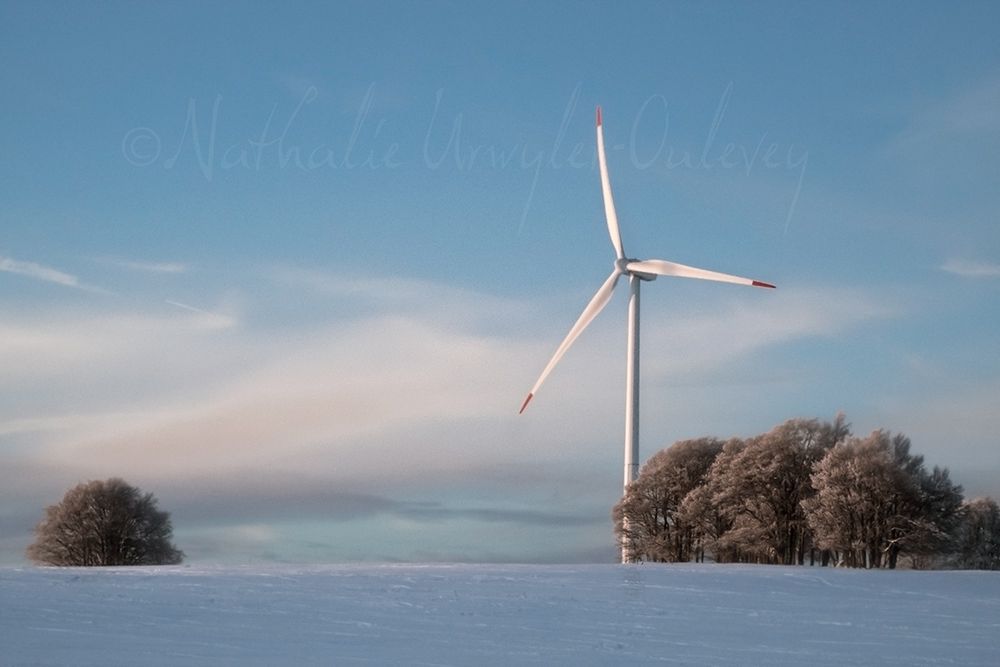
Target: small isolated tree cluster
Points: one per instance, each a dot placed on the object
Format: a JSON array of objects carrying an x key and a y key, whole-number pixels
[
  {"x": 804, "y": 489},
  {"x": 104, "y": 523}
]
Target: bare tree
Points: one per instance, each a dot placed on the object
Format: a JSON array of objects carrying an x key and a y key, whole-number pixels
[{"x": 104, "y": 523}]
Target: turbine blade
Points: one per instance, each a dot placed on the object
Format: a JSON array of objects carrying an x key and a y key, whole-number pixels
[
  {"x": 663, "y": 268},
  {"x": 609, "y": 202},
  {"x": 596, "y": 305}
]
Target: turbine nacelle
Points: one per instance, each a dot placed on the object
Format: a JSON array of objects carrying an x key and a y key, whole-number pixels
[{"x": 623, "y": 267}]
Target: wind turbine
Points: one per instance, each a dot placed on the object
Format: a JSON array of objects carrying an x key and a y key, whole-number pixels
[{"x": 637, "y": 272}]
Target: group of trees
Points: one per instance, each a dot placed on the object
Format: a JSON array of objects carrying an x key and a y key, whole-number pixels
[
  {"x": 104, "y": 523},
  {"x": 805, "y": 490}
]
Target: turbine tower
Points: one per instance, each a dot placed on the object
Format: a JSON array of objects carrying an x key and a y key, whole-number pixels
[{"x": 637, "y": 271}]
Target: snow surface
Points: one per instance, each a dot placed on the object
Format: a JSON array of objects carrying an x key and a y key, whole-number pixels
[{"x": 498, "y": 615}]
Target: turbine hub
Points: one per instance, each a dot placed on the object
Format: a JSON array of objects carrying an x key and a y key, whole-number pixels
[{"x": 621, "y": 265}]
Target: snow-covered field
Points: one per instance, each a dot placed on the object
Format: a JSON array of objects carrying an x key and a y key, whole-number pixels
[{"x": 498, "y": 615}]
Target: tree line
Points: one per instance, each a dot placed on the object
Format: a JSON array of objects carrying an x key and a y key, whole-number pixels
[{"x": 806, "y": 491}]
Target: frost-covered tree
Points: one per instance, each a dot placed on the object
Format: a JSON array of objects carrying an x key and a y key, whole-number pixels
[
  {"x": 855, "y": 484},
  {"x": 977, "y": 545},
  {"x": 648, "y": 516},
  {"x": 710, "y": 525},
  {"x": 875, "y": 501},
  {"x": 759, "y": 488},
  {"x": 803, "y": 488},
  {"x": 104, "y": 523}
]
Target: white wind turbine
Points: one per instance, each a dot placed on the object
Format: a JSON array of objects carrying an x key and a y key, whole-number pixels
[{"x": 637, "y": 271}]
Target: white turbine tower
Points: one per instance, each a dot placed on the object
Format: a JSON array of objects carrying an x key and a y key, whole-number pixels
[{"x": 637, "y": 271}]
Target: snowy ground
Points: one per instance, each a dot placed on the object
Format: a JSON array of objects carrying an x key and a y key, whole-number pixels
[{"x": 497, "y": 615}]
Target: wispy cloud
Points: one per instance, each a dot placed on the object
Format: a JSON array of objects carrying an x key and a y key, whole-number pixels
[
  {"x": 450, "y": 303},
  {"x": 968, "y": 268},
  {"x": 208, "y": 319},
  {"x": 242, "y": 398},
  {"x": 148, "y": 267},
  {"x": 40, "y": 272},
  {"x": 254, "y": 392},
  {"x": 740, "y": 326}
]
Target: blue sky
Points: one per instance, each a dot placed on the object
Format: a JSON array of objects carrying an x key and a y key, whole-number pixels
[{"x": 293, "y": 269}]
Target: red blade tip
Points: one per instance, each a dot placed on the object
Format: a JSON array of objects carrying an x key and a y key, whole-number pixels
[
  {"x": 758, "y": 283},
  {"x": 598, "y": 116},
  {"x": 525, "y": 404}
]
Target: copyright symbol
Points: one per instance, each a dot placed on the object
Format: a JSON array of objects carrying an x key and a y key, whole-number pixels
[{"x": 141, "y": 146}]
